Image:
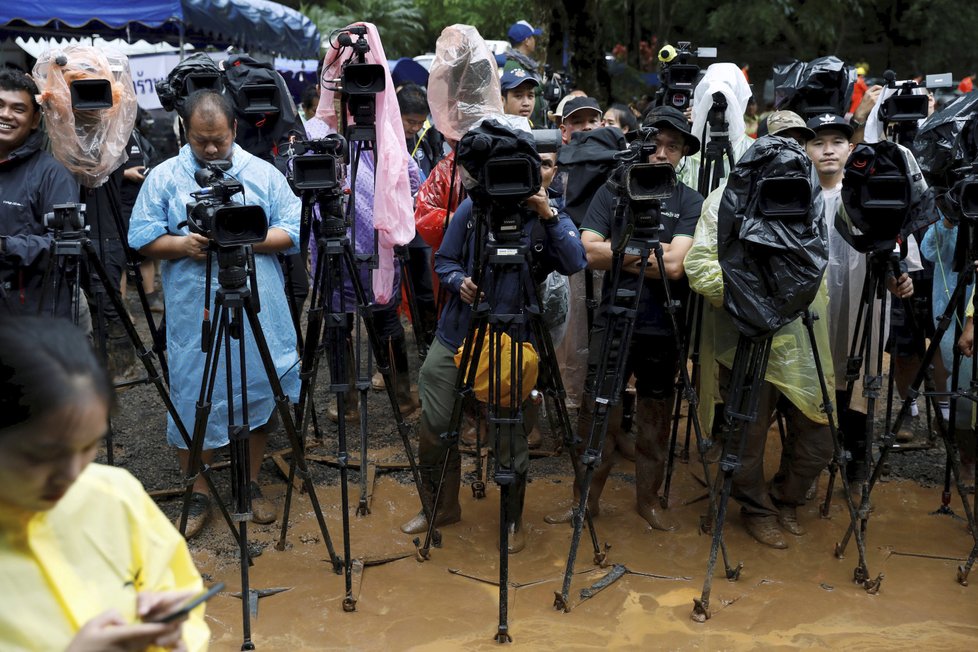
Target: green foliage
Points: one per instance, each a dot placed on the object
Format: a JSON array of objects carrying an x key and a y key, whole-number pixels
[
  {"x": 491, "y": 17},
  {"x": 398, "y": 21}
]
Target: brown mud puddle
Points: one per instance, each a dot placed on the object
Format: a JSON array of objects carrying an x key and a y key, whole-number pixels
[{"x": 802, "y": 597}]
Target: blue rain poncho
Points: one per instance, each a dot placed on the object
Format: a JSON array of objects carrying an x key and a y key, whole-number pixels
[{"x": 159, "y": 209}]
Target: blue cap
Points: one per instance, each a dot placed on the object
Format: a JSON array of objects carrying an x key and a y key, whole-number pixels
[
  {"x": 522, "y": 30},
  {"x": 513, "y": 78}
]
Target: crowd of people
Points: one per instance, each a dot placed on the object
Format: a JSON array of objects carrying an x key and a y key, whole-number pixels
[{"x": 56, "y": 396}]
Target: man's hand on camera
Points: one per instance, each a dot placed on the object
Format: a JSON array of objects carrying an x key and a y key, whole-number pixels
[
  {"x": 467, "y": 290},
  {"x": 540, "y": 204},
  {"x": 870, "y": 97},
  {"x": 195, "y": 246},
  {"x": 900, "y": 287}
]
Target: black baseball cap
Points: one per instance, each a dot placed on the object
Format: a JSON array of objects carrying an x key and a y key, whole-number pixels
[
  {"x": 667, "y": 116},
  {"x": 831, "y": 121},
  {"x": 579, "y": 104}
]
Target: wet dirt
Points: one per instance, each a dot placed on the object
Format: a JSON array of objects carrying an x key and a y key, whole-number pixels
[{"x": 802, "y": 597}]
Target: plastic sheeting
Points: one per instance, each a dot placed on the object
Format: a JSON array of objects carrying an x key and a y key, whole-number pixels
[
  {"x": 878, "y": 229},
  {"x": 463, "y": 83},
  {"x": 392, "y": 210},
  {"x": 791, "y": 366},
  {"x": 589, "y": 159},
  {"x": 772, "y": 268},
  {"x": 822, "y": 82},
  {"x": 947, "y": 139},
  {"x": 172, "y": 91},
  {"x": 90, "y": 143}
]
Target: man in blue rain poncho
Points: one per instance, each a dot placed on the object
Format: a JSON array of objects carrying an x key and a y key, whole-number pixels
[{"x": 156, "y": 231}]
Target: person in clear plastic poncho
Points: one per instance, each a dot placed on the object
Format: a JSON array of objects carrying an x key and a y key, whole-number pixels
[{"x": 792, "y": 387}]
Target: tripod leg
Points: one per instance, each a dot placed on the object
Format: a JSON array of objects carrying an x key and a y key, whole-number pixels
[{"x": 285, "y": 413}]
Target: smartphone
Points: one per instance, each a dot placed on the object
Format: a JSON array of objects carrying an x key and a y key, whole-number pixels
[{"x": 190, "y": 604}]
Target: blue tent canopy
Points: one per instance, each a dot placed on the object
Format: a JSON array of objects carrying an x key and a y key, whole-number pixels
[{"x": 255, "y": 25}]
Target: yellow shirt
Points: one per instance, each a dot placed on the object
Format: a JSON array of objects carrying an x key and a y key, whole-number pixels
[{"x": 103, "y": 543}]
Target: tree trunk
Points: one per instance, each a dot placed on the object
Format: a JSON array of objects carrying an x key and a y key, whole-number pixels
[{"x": 587, "y": 59}]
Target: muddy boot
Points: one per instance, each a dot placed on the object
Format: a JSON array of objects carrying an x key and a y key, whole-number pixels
[
  {"x": 352, "y": 396},
  {"x": 652, "y": 419},
  {"x": 407, "y": 401},
  {"x": 449, "y": 510},
  {"x": 765, "y": 530},
  {"x": 601, "y": 473},
  {"x": 517, "y": 533}
]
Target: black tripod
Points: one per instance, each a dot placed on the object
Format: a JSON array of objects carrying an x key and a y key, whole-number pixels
[
  {"x": 328, "y": 322},
  {"x": 235, "y": 308},
  {"x": 966, "y": 235},
  {"x": 747, "y": 379},
  {"x": 503, "y": 259},
  {"x": 641, "y": 239}
]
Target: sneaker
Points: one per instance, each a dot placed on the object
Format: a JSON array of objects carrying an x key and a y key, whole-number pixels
[
  {"x": 200, "y": 513},
  {"x": 914, "y": 410},
  {"x": 263, "y": 510}
]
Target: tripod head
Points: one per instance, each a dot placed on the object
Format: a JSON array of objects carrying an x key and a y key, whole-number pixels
[{"x": 67, "y": 221}]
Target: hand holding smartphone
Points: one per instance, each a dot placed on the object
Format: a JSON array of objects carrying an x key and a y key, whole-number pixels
[{"x": 189, "y": 605}]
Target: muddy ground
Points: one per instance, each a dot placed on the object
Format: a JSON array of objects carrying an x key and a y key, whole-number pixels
[{"x": 801, "y": 597}]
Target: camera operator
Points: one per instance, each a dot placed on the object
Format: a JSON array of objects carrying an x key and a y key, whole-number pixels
[
  {"x": 829, "y": 150},
  {"x": 791, "y": 382},
  {"x": 31, "y": 183},
  {"x": 556, "y": 246},
  {"x": 157, "y": 231},
  {"x": 652, "y": 356}
]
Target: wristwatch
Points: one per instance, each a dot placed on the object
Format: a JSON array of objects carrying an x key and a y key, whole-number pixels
[
  {"x": 553, "y": 216},
  {"x": 856, "y": 124}
]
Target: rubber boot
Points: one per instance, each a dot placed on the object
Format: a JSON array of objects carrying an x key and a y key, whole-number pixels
[
  {"x": 517, "y": 497},
  {"x": 352, "y": 396},
  {"x": 407, "y": 401},
  {"x": 449, "y": 510},
  {"x": 600, "y": 476},
  {"x": 652, "y": 420}
]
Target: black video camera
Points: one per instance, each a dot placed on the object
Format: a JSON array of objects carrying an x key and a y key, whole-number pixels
[
  {"x": 641, "y": 188},
  {"x": 316, "y": 165},
  {"x": 503, "y": 170},
  {"x": 219, "y": 219},
  {"x": 360, "y": 82},
  {"x": 823, "y": 85},
  {"x": 66, "y": 218},
  {"x": 905, "y": 106},
  {"x": 678, "y": 75}
]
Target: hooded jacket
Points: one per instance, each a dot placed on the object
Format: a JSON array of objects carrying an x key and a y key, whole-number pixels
[{"x": 31, "y": 183}]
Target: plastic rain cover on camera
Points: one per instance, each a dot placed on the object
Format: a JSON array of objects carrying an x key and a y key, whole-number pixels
[
  {"x": 791, "y": 366},
  {"x": 393, "y": 212},
  {"x": 90, "y": 143},
  {"x": 493, "y": 139},
  {"x": 772, "y": 267},
  {"x": 879, "y": 229},
  {"x": 825, "y": 74},
  {"x": 173, "y": 90},
  {"x": 948, "y": 140},
  {"x": 463, "y": 83},
  {"x": 589, "y": 159}
]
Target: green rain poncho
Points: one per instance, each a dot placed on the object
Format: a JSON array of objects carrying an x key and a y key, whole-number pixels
[{"x": 791, "y": 366}]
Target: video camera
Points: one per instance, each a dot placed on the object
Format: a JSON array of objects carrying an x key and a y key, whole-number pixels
[
  {"x": 197, "y": 72},
  {"x": 556, "y": 86},
  {"x": 502, "y": 169},
  {"x": 823, "y": 85},
  {"x": 219, "y": 219},
  {"x": 359, "y": 82},
  {"x": 641, "y": 188},
  {"x": 905, "y": 106},
  {"x": 316, "y": 165},
  {"x": 678, "y": 75}
]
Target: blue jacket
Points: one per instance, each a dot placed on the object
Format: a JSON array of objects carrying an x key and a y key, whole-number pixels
[{"x": 560, "y": 249}]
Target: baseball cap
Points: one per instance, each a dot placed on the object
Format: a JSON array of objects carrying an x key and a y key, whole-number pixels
[
  {"x": 673, "y": 118},
  {"x": 831, "y": 121},
  {"x": 780, "y": 121},
  {"x": 513, "y": 78},
  {"x": 522, "y": 30},
  {"x": 576, "y": 104}
]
